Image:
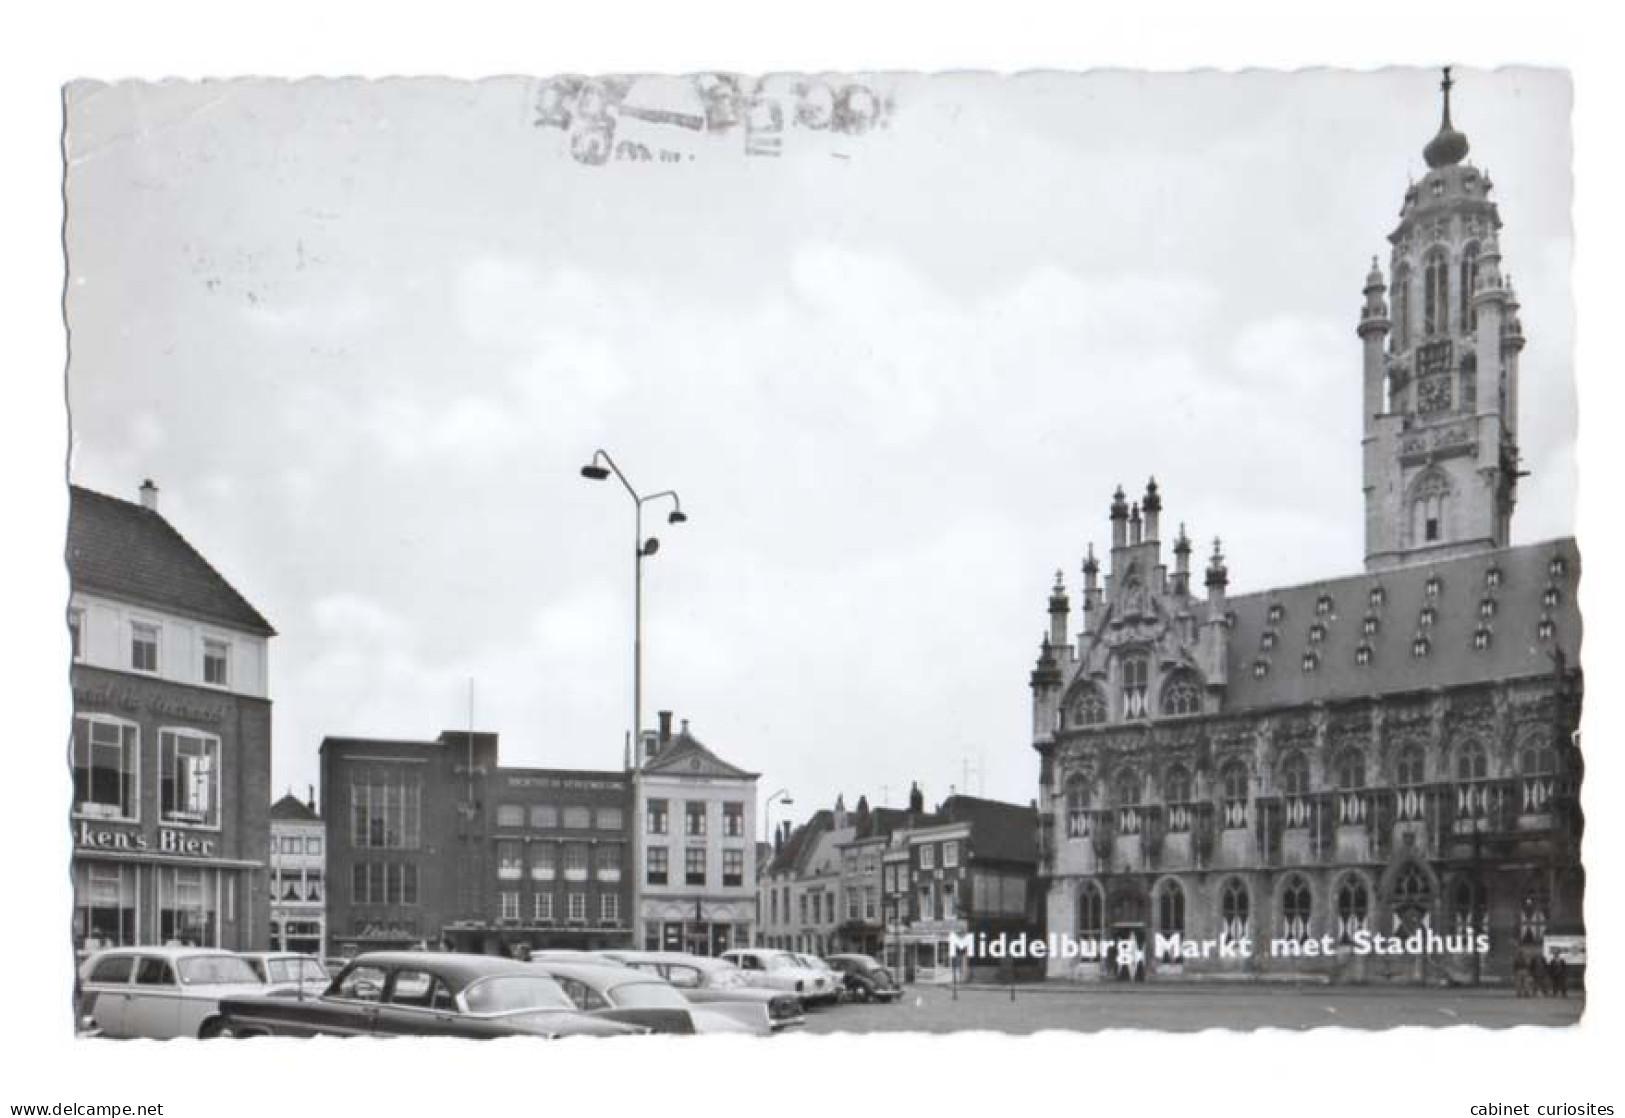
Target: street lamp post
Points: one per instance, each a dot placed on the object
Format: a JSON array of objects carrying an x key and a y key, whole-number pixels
[
  {"x": 767, "y": 837},
  {"x": 601, "y": 466}
]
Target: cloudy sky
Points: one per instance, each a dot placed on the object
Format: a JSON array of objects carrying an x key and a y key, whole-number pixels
[{"x": 363, "y": 335}]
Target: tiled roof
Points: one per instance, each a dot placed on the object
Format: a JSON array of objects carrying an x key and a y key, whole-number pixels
[
  {"x": 133, "y": 554},
  {"x": 1000, "y": 831},
  {"x": 1532, "y": 614},
  {"x": 801, "y": 842},
  {"x": 291, "y": 809}
]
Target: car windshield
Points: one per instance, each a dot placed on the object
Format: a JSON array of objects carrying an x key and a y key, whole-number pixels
[
  {"x": 296, "y": 970},
  {"x": 515, "y": 993},
  {"x": 646, "y": 995},
  {"x": 216, "y": 970}
]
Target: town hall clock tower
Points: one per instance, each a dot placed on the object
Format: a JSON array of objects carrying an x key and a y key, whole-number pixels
[{"x": 1440, "y": 371}]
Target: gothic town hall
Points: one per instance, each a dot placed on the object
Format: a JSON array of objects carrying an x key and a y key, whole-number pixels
[{"x": 1376, "y": 754}]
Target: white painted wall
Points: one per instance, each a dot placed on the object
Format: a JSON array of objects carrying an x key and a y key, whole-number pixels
[{"x": 106, "y": 644}]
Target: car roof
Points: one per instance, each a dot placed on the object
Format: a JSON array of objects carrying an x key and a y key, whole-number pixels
[
  {"x": 593, "y": 974},
  {"x": 170, "y": 953},
  {"x": 459, "y": 969},
  {"x": 704, "y": 962}
]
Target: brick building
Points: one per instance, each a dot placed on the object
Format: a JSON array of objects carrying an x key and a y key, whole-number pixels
[
  {"x": 1383, "y": 753},
  {"x": 171, "y": 746},
  {"x": 435, "y": 843},
  {"x": 298, "y": 876}
]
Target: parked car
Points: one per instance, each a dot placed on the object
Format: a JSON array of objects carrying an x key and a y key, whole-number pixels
[
  {"x": 423, "y": 993},
  {"x": 161, "y": 992},
  {"x": 707, "y": 981},
  {"x": 779, "y": 970},
  {"x": 287, "y": 968},
  {"x": 622, "y": 993},
  {"x": 865, "y": 979},
  {"x": 814, "y": 963}
]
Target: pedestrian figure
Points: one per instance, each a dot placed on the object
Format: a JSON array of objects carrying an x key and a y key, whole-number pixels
[
  {"x": 1537, "y": 970},
  {"x": 1520, "y": 973},
  {"x": 1559, "y": 973}
]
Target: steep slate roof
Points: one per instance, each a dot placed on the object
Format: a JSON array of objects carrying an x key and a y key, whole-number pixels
[
  {"x": 686, "y": 755},
  {"x": 792, "y": 856},
  {"x": 1515, "y": 651},
  {"x": 131, "y": 553},
  {"x": 291, "y": 809},
  {"x": 1000, "y": 831}
]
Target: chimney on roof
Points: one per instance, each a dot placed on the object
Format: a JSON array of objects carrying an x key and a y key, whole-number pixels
[
  {"x": 665, "y": 728},
  {"x": 310, "y": 796},
  {"x": 149, "y": 496},
  {"x": 916, "y": 799}
]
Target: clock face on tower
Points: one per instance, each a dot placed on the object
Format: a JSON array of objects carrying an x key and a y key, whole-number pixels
[{"x": 1433, "y": 393}]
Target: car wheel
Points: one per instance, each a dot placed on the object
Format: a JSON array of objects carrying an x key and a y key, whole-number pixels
[{"x": 216, "y": 1029}]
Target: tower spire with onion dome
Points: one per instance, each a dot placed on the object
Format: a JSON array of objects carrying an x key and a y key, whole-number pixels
[{"x": 1449, "y": 146}]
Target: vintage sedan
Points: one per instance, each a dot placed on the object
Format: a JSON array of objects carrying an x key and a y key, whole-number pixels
[
  {"x": 423, "y": 993},
  {"x": 287, "y": 968},
  {"x": 866, "y": 980},
  {"x": 160, "y": 993},
  {"x": 707, "y": 981},
  {"x": 779, "y": 970},
  {"x": 623, "y": 993}
]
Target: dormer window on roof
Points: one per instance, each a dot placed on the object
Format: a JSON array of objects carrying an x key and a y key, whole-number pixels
[
  {"x": 1371, "y": 624},
  {"x": 1377, "y": 597},
  {"x": 1486, "y": 608},
  {"x": 1492, "y": 578},
  {"x": 1558, "y": 567},
  {"x": 1551, "y": 598},
  {"x": 1261, "y": 668},
  {"x": 1317, "y": 633},
  {"x": 1276, "y": 612},
  {"x": 1481, "y": 637},
  {"x": 1546, "y": 629},
  {"x": 1419, "y": 647},
  {"x": 1310, "y": 661},
  {"x": 1267, "y": 641},
  {"x": 1426, "y": 618},
  {"x": 1362, "y": 654},
  {"x": 1432, "y": 586},
  {"x": 1323, "y": 605}
]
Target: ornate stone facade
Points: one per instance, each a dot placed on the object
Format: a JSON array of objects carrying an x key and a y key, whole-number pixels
[{"x": 1306, "y": 768}]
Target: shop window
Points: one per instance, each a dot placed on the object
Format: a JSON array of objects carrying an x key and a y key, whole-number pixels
[
  {"x": 1468, "y": 911},
  {"x": 189, "y": 778},
  {"x": 144, "y": 647},
  {"x": 106, "y": 756},
  {"x": 1534, "y": 913},
  {"x": 186, "y": 907},
  {"x": 104, "y": 905}
]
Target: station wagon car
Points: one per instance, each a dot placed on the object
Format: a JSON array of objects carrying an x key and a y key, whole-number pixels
[
  {"x": 707, "y": 981},
  {"x": 160, "y": 993},
  {"x": 423, "y": 993}
]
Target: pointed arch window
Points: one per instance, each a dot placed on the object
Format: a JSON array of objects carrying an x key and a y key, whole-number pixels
[
  {"x": 1410, "y": 773},
  {"x": 1136, "y": 678},
  {"x": 1126, "y": 793},
  {"x": 1474, "y": 792},
  {"x": 1534, "y": 913},
  {"x": 1469, "y": 913},
  {"x": 1353, "y": 907},
  {"x": 1537, "y": 766},
  {"x": 1234, "y": 909},
  {"x": 1294, "y": 781},
  {"x": 1091, "y": 911},
  {"x": 1077, "y": 806},
  {"x": 1089, "y": 707},
  {"x": 1176, "y": 793},
  {"x": 1296, "y": 903},
  {"x": 1351, "y": 801},
  {"x": 1171, "y": 909},
  {"x": 1413, "y": 899},
  {"x": 1435, "y": 294},
  {"x": 1402, "y": 307},
  {"x": 1181, "y": 695},
  {"x": 1233, "y": 787}
]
